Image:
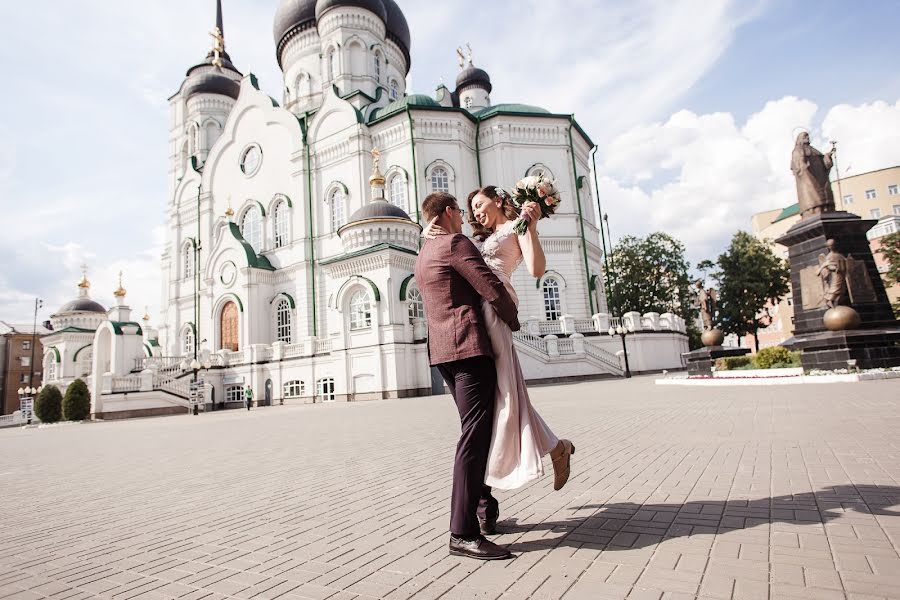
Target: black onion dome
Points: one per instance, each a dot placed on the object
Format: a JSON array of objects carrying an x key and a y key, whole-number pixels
[
  {"x": 379, "y": 209},
  {"x": 398, "y": 29},
  {"x": 473, "y": 77},
  {"x": 210, "y": 81},
  {"x": 373, "y": 6},
  {"x": 291, "y": 17},
  {"x": 81, "y": 305}
]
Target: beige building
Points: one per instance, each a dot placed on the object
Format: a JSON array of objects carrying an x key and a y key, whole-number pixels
[{"x": 872, "y": 195}]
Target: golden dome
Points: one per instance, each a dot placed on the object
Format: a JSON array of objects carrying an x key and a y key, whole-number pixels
[{"x": 120, "y": 291}]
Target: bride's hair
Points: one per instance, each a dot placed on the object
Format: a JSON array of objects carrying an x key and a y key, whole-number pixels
[{"x": 479, "y": 231}]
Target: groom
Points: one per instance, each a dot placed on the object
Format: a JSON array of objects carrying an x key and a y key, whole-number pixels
[{"x": 453, "y": 279}]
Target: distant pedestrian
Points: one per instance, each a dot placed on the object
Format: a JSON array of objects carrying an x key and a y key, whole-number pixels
[{"x": 248, "y": 393}]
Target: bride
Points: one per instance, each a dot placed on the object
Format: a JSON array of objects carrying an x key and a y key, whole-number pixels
[{"x": 520, "y": 437}]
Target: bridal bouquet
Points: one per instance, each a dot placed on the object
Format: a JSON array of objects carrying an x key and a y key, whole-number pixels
[{"x": 538, "y": 189}]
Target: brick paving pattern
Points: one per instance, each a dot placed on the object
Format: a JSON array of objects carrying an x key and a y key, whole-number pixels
[{"x": 745, "y": 492}]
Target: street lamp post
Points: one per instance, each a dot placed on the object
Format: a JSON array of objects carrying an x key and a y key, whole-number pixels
[
  {"x": 621, "y": 331},
  {"x": 38, "y": 303}
]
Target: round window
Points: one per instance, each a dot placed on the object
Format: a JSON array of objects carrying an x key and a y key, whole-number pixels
[{"x": 251, "y": 158}]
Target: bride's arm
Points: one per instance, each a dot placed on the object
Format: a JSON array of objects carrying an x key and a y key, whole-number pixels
[{"x": 532, "y": 252}]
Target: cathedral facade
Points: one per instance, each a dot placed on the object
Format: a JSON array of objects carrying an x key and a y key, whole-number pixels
[
  {"x": 293, "y": 226},
  {"x": 272, "y": 215}
]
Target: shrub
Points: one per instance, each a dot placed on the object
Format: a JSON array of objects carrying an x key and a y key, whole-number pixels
[
  {"x": 77, "y": 402},
  {"x": 732, "y": 363},
  {"x": 768, "y": 357},
  {"x": 48, "y": 404}
]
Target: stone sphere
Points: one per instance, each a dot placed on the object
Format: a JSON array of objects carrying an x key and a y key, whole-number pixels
[
  {"x": 713, "y": 337},
  {"x": 840, "y": 318}
]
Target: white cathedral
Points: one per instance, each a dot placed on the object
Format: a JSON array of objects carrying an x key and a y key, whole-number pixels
[{"x": 293, "y": 228}]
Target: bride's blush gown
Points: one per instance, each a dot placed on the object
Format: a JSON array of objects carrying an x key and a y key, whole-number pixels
[{"x": 520, "y": 436}]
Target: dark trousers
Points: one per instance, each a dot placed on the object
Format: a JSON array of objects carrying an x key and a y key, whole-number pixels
[{"x": 472, "y": 383}]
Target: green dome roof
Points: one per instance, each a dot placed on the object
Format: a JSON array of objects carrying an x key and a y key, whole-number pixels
[
  {"x": 400, "y": 105},
  {"x": 510, "y": 108}
]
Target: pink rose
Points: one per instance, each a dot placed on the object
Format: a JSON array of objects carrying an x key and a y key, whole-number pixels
[
  {"x": 549, "y": 202},
  {"x": 545, "y": 189}
]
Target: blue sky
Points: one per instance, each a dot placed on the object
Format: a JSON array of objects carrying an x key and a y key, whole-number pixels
[{"x": 691, "y": 103}]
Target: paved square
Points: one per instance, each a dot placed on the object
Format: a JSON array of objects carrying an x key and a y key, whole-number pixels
[{"x": 743, "y": 492}]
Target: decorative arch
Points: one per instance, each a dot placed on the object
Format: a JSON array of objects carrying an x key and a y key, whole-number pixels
[
  {"x": 251, "y": 203},
  {"x": 286, "y": 296},
  {"x": 353, "y": 281},
  {"x": 77, "y": 352},
  {"x": 537, "y": 168},
  {"x": 279, "y": 197},
  {"x": 225, "y": 298},
  {"x": 53, "y": 352},
  {"x": 405, "y": 285},
  {"x": 554, "y": 275},
  {"x": 430, "y": 173}
]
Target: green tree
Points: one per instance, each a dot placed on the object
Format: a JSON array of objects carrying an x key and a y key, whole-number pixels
[
  {"x": 650, "y": 275},
  {"x": 751, "y": 280},
  {"x": 890, "y": 250},
  {"x": 48, "y": 404},
  {"x": 76, "y": 404}
]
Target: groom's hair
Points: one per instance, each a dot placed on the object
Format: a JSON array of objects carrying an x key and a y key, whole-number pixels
[{"x": 436, "y": 203}]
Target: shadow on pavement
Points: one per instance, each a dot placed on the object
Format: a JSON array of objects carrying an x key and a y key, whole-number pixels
[{"x": 628, "y": 526}]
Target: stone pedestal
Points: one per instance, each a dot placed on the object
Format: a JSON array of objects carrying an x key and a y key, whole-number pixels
[
  {"x": 700, "y": 362},
  {"x": 876, "y": 342}
]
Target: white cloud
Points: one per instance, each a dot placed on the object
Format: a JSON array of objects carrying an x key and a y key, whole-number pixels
[{"x": 701, "y": 177}]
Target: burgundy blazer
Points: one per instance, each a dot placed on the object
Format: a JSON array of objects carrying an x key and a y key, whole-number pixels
[{"x": 453, "y": 279}]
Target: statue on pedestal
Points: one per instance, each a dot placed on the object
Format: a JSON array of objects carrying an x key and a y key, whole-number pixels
[
  {"x": 706, "y": 302},
  {"x": 833, "y": 273},
  {"x": 811, "y": 168}
]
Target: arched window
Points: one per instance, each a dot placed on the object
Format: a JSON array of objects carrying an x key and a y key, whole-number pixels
[
  {"x": 337, "y": 200},
  {"x": 251, "y": 228},
  {"x": 395, "y": 89},
  {"x": 552, "y": 305},
  {"x": 468, "y": 101},
  {"x": 397, "y": 191},
  {"x": 228, "y": 327},
  {"x": 280, "y": 218},
  {"x": 283, "y": 321},
  {"x": 188, "y": 341},
  {"x": 440, "y": 180},
  {"x": 188, "y": 260},
  {"x": 416, "y": 305},
  {"x": 377, "y": 66},
  {"x": 294, "y": 388},
  {"x": 360, "y": 311},
  {"x": 332, "y": 64}
]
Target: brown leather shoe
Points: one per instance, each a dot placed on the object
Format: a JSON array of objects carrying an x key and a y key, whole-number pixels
[
  {"x": 562, "y": 463},
  {"x": 478, "y": 548}
]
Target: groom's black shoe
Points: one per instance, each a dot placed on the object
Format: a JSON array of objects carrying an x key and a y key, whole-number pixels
[
  {"x": 477, "y": 547},
  {"x": 488, "y": 526}
]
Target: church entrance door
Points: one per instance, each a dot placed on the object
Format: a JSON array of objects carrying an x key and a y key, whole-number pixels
[{"x": 228, "y": 327}]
